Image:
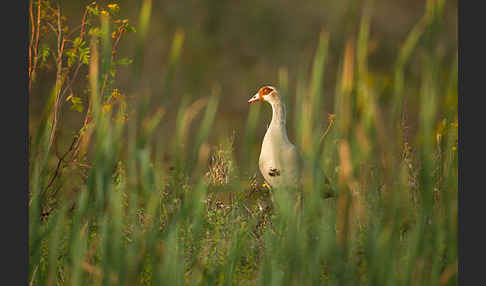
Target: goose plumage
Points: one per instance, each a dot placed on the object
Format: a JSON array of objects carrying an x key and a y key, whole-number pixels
[{"x": 279, "y": 162}]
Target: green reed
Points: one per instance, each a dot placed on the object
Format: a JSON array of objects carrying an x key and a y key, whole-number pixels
[{"x": 139, "y": 221}]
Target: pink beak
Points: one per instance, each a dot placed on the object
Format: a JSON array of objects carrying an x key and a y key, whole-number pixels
[{"x": 256, "y": 97}]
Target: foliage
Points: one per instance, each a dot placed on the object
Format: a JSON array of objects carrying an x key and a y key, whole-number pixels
[{"x": 112, "y": 210}]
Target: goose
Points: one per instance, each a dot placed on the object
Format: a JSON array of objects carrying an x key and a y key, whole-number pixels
[{"x": 280, "y": 161}]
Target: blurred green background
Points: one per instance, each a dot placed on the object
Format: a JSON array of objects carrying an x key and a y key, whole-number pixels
[{"x": 239, "y": 46}]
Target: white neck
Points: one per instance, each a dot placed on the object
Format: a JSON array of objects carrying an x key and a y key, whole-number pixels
[{"x": 278, "y": 117}]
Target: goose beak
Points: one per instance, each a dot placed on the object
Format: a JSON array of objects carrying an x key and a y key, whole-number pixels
[{"x": 254, "y": 98}]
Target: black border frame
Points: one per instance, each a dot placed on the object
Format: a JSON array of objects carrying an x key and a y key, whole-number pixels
[
  {"x": 15, "y": 118},
  {"x": 15, "y": 140}
]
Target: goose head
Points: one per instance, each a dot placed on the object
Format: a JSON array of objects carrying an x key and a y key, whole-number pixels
[{"x": 266, "y": 93}]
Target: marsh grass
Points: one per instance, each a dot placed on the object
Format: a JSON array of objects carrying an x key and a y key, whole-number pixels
[{"x": 200, "y": 219}]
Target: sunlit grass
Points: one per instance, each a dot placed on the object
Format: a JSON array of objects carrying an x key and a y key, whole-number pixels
[{"x": 392, "y": 218}]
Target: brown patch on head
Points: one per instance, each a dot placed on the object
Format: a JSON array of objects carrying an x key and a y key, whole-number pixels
[{"x": 264, "y": 91}]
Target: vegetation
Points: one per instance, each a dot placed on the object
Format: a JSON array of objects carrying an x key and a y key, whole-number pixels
[{"x": 110, "y": 209}]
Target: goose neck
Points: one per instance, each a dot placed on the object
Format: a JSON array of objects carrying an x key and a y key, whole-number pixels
[{"x": 278, "y": 114}]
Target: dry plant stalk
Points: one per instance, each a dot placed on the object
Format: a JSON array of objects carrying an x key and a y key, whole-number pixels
[
  {"x": 350, "y": 203},
  {"x": 220, "y": 167}
]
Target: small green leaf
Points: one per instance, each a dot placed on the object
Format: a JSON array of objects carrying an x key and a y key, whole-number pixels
[
  {"x": 78, "y": 108},
  {"x": 129, "y": 28},
  {"x": 114, "y": 8},
  {"x": 93, "y": 10},
  {"x": 71, "y": 56},
  {"x": 78, "y": 42},
  {"x": 44, "y": 53},
  {"x": 113, "y": 70},
  {"x": 95, "y": 32},
  {"x": 77, "y": 103},
  {"x": 84, "y": 55},
  {"x": 124, "y": 61}
]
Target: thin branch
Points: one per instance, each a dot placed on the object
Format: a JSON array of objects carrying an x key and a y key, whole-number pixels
[
  {"x": 83, "y": 23},
  {"x": 31, "y": 43},
  {"x": 59, "y": 26},
  {"x": 81, "y": 35},
  {"x": 36, "y": 47},
  {"x": 58, "y": 167},
  {"x": 104, "y": 84},
  {"x": 331, "y": 122},
  {"x": 33, "y": 275},
  {"x": 113, "y": 53},
  {"x": 60, "y": 49},
  {"x": 53, "y": 195},
  {"x": 52, "y": 27},
  {"x": 70, "y": 83},
  {"x": 72, "y": 31},
  {"x": 38, "y": 31},
  {"x": 117, "y": 41}
]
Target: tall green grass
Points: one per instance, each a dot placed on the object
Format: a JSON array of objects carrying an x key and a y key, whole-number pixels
[{"x": 392, "y": 220}]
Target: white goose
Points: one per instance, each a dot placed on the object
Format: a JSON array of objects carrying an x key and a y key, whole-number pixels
[{"x": 279, "y": 160}]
